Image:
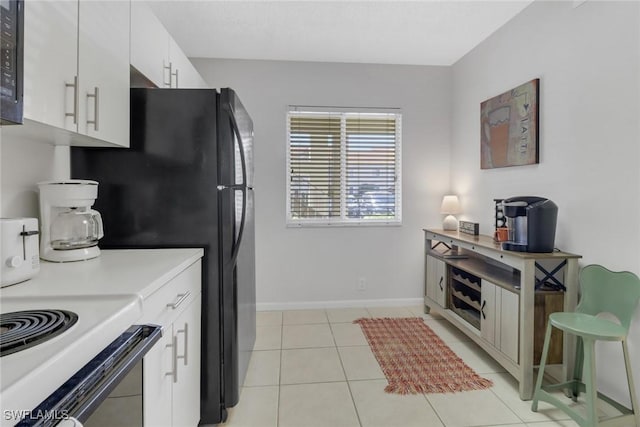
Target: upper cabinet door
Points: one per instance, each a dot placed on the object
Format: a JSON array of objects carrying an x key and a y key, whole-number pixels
[
  {"x": 149, "y": 45},
  {"x": 103, "y": 70},
  {"x": 50, "y": 62},
  {"x": 156, "y": 55}
]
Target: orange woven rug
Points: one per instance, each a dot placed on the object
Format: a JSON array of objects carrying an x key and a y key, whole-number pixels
[{"x": 415, "y": 360}]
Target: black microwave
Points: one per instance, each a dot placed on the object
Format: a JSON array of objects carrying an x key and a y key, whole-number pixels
[{"x": 12, "y": 43}]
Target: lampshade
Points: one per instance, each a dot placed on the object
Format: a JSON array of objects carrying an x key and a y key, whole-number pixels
[{"x": 450, "y": 205}]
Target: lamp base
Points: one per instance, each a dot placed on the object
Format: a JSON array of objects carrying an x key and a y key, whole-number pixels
[{"x": 450, "y": 223}]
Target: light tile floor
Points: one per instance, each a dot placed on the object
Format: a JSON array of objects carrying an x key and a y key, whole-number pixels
[{"x": 315, "y": 368}]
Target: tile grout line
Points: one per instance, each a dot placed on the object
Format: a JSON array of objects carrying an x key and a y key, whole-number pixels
[
  {"x": 344, "y": 371},
  {"x": 433, "y": 409},
  {"x": 501, "y": 400},
  {"x": 280, "y": 371}
]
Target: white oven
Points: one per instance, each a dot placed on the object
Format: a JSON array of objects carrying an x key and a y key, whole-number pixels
[{"x": 73, "y": 360}]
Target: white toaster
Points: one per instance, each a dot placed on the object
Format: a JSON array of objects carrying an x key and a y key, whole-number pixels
[{"x": 18, "y": 250}]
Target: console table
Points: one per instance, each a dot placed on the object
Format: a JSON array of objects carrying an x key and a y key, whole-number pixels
[{"x": 501, "y": 299}]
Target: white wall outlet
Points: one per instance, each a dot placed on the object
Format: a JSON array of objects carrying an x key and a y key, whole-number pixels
[{"x": 362, "y": 284}]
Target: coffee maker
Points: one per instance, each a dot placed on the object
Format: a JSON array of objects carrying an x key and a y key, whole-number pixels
[
  {"x": 70, "y": 228},
  {"x": 532, "y": 224}
]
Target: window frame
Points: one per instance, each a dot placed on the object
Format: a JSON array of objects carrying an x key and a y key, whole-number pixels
[{"x": 343, "y": 220}]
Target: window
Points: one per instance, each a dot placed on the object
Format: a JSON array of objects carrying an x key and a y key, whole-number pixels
[{"x": 343, "y": 168}]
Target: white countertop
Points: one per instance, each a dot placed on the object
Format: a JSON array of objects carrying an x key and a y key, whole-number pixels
[
  {"x": 114, "y": 272},
  {"x": 107, "y": 293}
]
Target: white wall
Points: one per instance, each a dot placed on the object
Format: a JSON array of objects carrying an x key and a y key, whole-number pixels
[
  {"x": 305, "y": 267},
  {"x": 23, "y": 163},
  {"x": 587, "y": 59}
]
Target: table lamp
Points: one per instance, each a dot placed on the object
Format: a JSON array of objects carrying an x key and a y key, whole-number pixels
[{"x": 450, "y": 206}]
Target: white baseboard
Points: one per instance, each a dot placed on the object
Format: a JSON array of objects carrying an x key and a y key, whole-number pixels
[{"x": 303, "y": 305}]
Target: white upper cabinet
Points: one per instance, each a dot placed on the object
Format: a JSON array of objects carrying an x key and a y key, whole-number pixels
[
  {"x": 103, "y": 70},
  {"x": 156, "y": 55},
  {"x": 50, "y": 62},
  {"x": 71, "y": 48},
  {"x": 149, "y": 45}
]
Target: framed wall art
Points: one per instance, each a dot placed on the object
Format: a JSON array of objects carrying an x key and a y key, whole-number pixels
[{"x": 509, "y": 127}]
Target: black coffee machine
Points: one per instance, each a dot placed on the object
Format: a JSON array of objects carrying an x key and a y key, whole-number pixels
[{"x": 532, "y": 224}]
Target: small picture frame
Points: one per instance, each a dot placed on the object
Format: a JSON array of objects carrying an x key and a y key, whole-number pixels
[{"x": 467, "y": 227}]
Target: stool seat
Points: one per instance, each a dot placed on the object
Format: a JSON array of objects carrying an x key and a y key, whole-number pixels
[{"x": 586, "y": 325}]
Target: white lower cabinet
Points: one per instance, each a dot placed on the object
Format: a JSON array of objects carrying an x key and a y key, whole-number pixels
[
  {"x": 185, "y": 403},
  {"x": 499, "y": 318},
  {"x": 157, "y": 386},
  {"x": 171, "y": 370},
  {"x": 436, "y": 280}
]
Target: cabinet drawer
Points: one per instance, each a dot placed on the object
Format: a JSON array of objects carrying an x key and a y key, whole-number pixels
[{"x": 164, "y": 305}]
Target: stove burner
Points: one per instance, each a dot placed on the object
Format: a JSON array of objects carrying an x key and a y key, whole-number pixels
[{"x": 23, "y": 329}]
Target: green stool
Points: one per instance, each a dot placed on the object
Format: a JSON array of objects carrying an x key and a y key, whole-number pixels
[{"x": 602, "y": 291}]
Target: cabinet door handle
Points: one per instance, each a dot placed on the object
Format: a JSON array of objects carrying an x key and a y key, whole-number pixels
[
  {"x": 96, "y": 113},
  {"x": 175, "y": 74},
  {"x": 484, "y": 302},
  {"x": 440, "y": 283},
  {"x": 74, "y": 85},
  {"x": 179, "y": 300},
  {"x": 184, "y": 331},
  {"x": 174, "y": 359},
  {"x": 170, "y": 67}
]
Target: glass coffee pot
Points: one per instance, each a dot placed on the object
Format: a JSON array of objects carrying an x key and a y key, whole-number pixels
[{"x": 76, "y": 228}]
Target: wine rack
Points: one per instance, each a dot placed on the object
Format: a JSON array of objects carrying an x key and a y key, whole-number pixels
[{"x": 465, "y": 295}]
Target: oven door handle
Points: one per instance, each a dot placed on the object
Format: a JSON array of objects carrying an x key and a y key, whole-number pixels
[{"x": 81, "y": 395}]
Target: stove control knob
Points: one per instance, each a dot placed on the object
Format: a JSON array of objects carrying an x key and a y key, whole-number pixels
[{"x": 14, "y": 261}]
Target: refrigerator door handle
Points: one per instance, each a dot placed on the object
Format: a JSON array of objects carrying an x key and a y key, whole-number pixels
[
  {"x": 236, "y": 131},
  {"x": 243, "y": 219},
  {"x": 241, "y": 187}
]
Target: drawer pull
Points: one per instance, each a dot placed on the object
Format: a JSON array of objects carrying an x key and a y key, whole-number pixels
[
  {"x": 440, "y": 283},
  {"x": 179, "y": 300},
  {"x": 184, "y": 331},
  {"x": 484, "y": 316}
]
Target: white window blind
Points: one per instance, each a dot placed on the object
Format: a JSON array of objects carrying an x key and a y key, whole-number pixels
[{"x": 343, "y": 168}]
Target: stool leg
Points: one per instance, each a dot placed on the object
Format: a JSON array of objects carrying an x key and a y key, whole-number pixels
[
  {"x": 590, "y": 382},
  {"x": 577, "y": 369},
  {"x": 632, "y": 388},
  {"x": 543, "y": 362}
]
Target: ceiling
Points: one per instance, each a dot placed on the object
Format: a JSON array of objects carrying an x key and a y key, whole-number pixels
[{"x": 419, "y": 32}]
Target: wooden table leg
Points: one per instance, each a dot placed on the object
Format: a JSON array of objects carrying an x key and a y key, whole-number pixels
[{"x": 527, "y": 306}]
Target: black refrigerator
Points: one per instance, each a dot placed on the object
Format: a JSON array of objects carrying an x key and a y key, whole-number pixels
[{"x": 187, "y": 181}]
